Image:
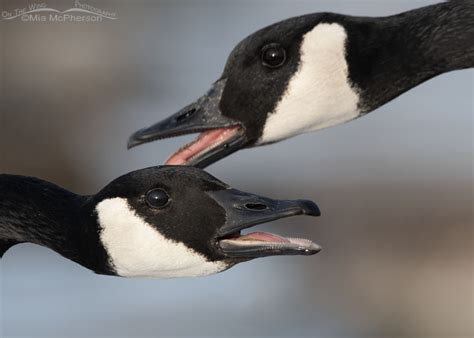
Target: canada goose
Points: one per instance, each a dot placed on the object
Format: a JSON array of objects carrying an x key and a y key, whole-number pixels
[
  {"x": 169, "y": 221},
  {"x": 317, "y": 71}
]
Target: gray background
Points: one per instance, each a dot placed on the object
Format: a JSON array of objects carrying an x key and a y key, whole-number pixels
[{"x": 395, "y": 187}]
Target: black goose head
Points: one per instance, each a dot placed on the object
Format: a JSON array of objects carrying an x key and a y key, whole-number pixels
[
  {"x": 177, "y": 221},
  {"x": 316, "y": 71},
  {"x": 233, "y": 113},
  {"x": 170, "y": 221}
]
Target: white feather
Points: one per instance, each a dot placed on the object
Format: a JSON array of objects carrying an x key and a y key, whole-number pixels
[
  {"x": 137, "y": 249},
  {"x": 319, "y": 95}
]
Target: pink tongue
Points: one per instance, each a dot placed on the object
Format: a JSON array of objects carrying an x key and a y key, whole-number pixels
[
  {"x": 204, "y": 140},
  {"x": 263, "y": 237}
]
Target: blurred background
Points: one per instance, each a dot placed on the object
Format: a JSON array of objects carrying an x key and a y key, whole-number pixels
[{"x": 395, "y": 187}]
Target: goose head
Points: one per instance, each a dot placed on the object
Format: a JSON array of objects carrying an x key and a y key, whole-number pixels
[
  {"x": 175, "y": 221},
  {"x": 316, "y": 71},
  {"x": 283, "y": 80}
]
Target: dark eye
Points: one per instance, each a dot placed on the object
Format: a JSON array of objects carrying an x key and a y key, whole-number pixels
[
  {"x": 273, "y": 55},
  {"x": 157, "y": 198}
]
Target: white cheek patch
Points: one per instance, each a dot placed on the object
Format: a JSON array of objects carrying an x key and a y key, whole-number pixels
[
  {"x": 136, "y": 249},
  {"x": 319, "y": 95}
]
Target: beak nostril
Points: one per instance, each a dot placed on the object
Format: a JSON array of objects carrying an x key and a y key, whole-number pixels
[
  {"x": 256, "y": 206},
  {"x": 186, "y": 115}
]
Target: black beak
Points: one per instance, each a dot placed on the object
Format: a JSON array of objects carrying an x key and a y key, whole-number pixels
[
  {"x": 202, "y": 115},
  {"x": 244, "y": 210}
]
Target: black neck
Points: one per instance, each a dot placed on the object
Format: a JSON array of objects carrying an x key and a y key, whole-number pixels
[
  {"x": 388, "y": 56},
  {"x": 36, "y": 211}
]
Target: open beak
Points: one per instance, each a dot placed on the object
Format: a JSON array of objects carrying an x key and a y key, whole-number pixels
[
  {"x": 244, "y": 210},
  {"x": 219, "y": 135}
]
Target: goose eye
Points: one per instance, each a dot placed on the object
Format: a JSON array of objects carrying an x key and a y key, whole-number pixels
[
  {"x": 157, "y": 198},
  {"x": 273, "y": 55}
]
